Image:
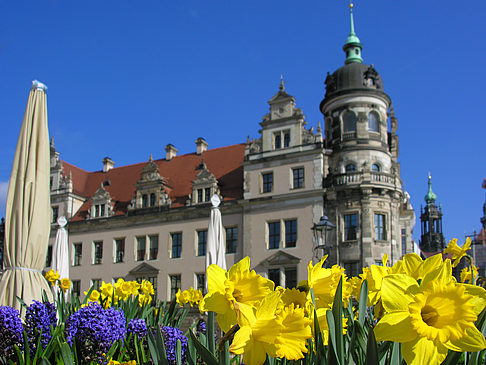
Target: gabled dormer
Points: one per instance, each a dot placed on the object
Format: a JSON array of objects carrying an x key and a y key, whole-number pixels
[
  {"x": 204, "y": 186},
  {"x": 101, "y": 205},
  {"x": 150, "y": 189}
]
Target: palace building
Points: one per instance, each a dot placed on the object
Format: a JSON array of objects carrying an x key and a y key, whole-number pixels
[{"x": 149, "y": 220}]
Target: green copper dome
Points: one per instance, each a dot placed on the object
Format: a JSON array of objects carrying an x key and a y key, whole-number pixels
[{"x": 430, "y": 197}]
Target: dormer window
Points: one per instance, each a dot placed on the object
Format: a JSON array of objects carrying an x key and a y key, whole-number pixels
[
  {"x": 280, "y": 136},
  {"x": 204, "y": 186},
  {"x": 152, "y": 199},
  {"x": 375, "y": 167},
  {"x": 144, "y": 201},
  {"x": 350, "y": 167},
  {"x": 151, "y": 188},
  {"x": 373, "y": 122},
  {"x": 101, "y": 204}
]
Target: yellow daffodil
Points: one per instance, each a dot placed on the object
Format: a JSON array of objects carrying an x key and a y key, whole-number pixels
[
  {"x": 468, "y": 274},
  {"x": 295, "y": 297},
  {"x": 64, "y": 284},
  {"x": 263, "y": 331},
  {"x": 94, "y": 296},
  {"x": 123, "y": 289},
  {"x": 191, "y": 296},
  {"x": 147, "y": 287},
  {"x": 52, "y": 276},
  {"x": 430, "y": 318},
  {"x": 238, "y": 285},
  {"x": 457, "y": 252},
  {"x": 144, "y": 299},
  {"x": 323, "y": 325}
]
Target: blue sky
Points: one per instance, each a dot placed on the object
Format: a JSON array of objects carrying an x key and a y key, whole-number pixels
[{"x": 126, "y": 78}]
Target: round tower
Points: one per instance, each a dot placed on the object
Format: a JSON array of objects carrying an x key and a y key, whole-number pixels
[{"x": 363, "y": 185}]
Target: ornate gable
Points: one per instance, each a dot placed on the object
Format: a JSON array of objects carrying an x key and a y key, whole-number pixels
[
  {"x": 101, "y": 204},
  {"x": 151, "y": 188},
  {"x": 204, "y": 186}
]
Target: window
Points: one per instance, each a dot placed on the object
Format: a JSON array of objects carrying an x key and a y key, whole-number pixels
[
  {"x": 199, "y": 195},
  {"x": 78, "y": 253},
  {"x": 49, "y": 256},
  {"x": 154, "y": 247},
  {"x": 176, "y": 239},
  {"x": 274, "y": 275},
  {"x": 273, "y": 235},
  {"x": 119, "y": 249},
  {"x": 290, "y": 277},
  {"x": 267, "y": 182},
  {"x": 96, "y": 283},
  {"x": 231, "y": 239},
  {"x": 298, "y": 175},
  {"x": 404, "y": 241},
  {"x": 175, "y": 284},
  {"x": 98, "y": 252},
  {"x": 102, "y": 210},
  {"x": 201, "y": 282},
  {"x": 144, "y": 201},
  {"x": 380, "y": 228},
  {"x": 97, "y": 210},
  {"x": 350, "y": 167},
  {"x": 286, "y": 139},
  {"x": 375, "y": 167},
  {"x": 277, "y": 140},
  {"x": 290, "y": 232},
  {"x": 141, "y": 247},
  {"x": 55, "y": 214},
  {"x": 76, "y": 288},
  {"x": 350, "y": 227},
  {"x": 202, "y": 238},
  {"x": 207, "y": 194},
  {"x": 152, "y": 199},
  {"x": 349, "y": 121},
  {"x": 373, "y": 124}
]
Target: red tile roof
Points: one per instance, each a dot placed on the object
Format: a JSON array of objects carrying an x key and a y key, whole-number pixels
[{"x": 224, "y": 163}]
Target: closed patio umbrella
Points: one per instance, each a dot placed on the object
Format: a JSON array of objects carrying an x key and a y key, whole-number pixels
[
  {"x": 28, "y": 212},
  {"x": 60, "y": 254},
  {"x": 215, "y": 252}
]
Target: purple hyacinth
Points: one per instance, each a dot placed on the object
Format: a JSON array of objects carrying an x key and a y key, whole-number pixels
[
  {"x": 95, "y": 329},
  {"x": 137, "y": 327},
  {"x": 171, "y": 335},
  {"x": 40, "y": 317},
  {"x": 10, "y": 330}
]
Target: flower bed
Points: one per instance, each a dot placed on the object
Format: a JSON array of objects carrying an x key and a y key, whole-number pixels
[{"x": 414, "y": 311}]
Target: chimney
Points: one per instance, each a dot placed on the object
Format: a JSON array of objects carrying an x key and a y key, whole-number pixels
[
  {"x": 108, "y": 164},
  {"x": 202, "y": 145},
  {"x": 170, "y": 152}
]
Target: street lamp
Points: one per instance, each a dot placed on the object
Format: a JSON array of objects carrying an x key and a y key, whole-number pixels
[{"x": 320, "y": 234}]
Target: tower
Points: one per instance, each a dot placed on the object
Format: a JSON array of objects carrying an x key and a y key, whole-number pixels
[
  {"x": 431, "y": 239},
  {"x": 362, "y": 189}
]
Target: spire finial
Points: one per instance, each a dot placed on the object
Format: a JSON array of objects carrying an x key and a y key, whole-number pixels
[
  {"x": 150, "y": 158},
  {"x": 353, "y": 46},
  {"x": 430, "y": 197},
  {"x": 282, "y": 83}
]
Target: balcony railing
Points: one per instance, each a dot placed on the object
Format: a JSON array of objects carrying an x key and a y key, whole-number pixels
[{"x": 356, "y": 178}]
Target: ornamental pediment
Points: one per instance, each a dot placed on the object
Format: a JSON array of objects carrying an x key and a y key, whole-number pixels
[
  {"x": 143, "y": 269},
  {"x": 280, "y": 258}
]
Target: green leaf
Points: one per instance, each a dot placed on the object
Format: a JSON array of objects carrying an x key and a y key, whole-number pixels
[
  {"x": 319, "y": 343},
  {"x": 363, "y": 302},
  {"x": 333, "y": 352},
  {"x": 157, "y": 348},
  {"x": 396, "y": 354},
  {"x": 178, "y": 352},
  {"x": 337, "y": 311},
  {"x": 66, "y": 354},
  {"x": 223, "y": 355},
  {"x": 203, "y": 352},
  {"x": 452, "y": 358},
  {"x": 191, "y": 351},
  {"x": 371, "y": 350}
]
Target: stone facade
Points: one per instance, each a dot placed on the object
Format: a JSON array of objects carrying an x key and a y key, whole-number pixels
[{"x": 150, "y": 220}]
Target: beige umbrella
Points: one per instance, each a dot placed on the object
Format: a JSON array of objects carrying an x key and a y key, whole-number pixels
[
  {"x": 215, "y": 253},
  {"x": 28, "y": 209}
]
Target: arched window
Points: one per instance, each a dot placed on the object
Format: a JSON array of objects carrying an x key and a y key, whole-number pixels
[
  {"x": 375, "y": 167},
  {"x": 373, "y": 122},
  {"x": 349, "y": 121},
  {"x": 144, "y": 201},
  {"x": 350, "y": 167}
]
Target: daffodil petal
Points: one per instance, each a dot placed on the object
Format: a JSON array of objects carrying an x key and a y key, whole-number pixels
[
  {"x": 423, "y": 351},
  {"x": 397, "y": 292},
  {"x": 412, "y": 264},
  {"x": 254, "y": 354},
  {"x": 242, "y": 265},
  {"x": 442, "y": 273},
  {"x": 268, "y": 306},
  {"x": 227, "y": 320},
  {"x": 478, "y": 297},
  {"x": 241, "y": 339},
  {"x": 216, "y": 302},
  {"x": 396, "y": 326},
  {"x": 245, "y": 314},
  {"x": 216, "y": 278},
  {"x": 473, "y": 341}
]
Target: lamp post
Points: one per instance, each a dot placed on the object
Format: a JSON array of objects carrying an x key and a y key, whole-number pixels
[{"x": 320, "y": 236}]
